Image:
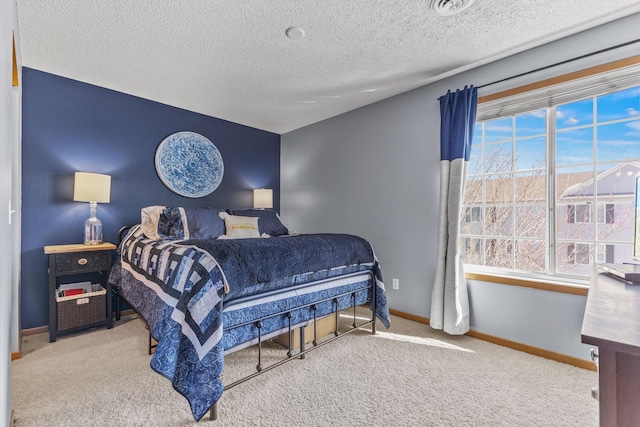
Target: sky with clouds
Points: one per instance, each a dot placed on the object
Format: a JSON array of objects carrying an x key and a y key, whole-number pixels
[{"x": 613, "y": 137}]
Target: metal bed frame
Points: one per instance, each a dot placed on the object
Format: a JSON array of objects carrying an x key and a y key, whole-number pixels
[
  {"x": 291, "y": 354},
  {"x": 370, "y": 284}
]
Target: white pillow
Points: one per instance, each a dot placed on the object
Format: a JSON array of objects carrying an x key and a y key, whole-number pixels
[
  {"x": 149, "y": 221},
  {"x": 239, "y": 227}
]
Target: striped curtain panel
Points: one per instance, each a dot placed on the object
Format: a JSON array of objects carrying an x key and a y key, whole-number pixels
[{"x": 449, "y": 298}]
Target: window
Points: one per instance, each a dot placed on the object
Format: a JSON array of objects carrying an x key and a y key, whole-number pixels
[
  {"x": 472, "y": 214},
  {"x": 550, "y": 190},
  {"x": 605, "y": 253},
  {"x": 578, "y": 253},
  {"x": 606, "y": 213},
  {"x": 578, "y": 213}
]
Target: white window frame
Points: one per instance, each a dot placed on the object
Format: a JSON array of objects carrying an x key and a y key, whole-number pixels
[{"x": 546, "y": 97}]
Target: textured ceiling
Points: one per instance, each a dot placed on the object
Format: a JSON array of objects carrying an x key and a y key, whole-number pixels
[{"x": 231, "y": 59}]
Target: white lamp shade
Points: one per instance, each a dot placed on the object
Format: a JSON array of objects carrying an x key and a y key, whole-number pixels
[
  {"x": 263, "y": 198},
  {"x": 92, "y": 187}
]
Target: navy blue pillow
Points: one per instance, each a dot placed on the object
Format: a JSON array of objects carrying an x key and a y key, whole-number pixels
[
  {"x": 170, "y": 225},
  {"x": 268, "y": 221},
  {"x": 202, "y": 223}
]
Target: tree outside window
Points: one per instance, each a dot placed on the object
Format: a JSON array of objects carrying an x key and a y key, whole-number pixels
[{"x": 510, "y": 222}]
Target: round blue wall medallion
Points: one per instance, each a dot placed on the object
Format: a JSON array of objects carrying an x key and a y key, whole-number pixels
[{"x": 189, "y": 164}]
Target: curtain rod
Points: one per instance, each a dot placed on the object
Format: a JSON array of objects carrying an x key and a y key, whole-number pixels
[{"x": 561, "y": 63}]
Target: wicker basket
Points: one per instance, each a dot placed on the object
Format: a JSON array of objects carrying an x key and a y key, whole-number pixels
[{"x": 80, "y": 310}]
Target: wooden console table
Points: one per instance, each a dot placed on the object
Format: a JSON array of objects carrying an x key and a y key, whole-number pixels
[{"x": 612, "y": 322}]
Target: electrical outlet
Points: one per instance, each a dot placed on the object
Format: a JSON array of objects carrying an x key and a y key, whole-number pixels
[{"x": 395, "y": 284}]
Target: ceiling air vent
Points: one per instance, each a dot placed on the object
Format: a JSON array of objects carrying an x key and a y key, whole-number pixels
[{"x": 450, "y": 7}]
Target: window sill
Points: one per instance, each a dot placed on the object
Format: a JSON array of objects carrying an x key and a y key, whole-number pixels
[{"x": 545, "y": 285}]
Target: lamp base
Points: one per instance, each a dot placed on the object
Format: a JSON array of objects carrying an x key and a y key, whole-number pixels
[{"x": 93, "y": 228}]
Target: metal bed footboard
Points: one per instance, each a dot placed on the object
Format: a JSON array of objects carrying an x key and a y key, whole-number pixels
[
  {"x": 370, "y": 284},
  {"x": 290, "y": 355}
]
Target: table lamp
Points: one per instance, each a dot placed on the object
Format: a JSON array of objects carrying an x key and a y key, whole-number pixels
[
  {"x": 263, "y": 198},
  {"x": 93, "y": 188}
]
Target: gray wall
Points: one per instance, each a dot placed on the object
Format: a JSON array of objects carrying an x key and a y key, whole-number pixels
[
  {"x": 9, "y": 141},
  {"x": 374, "y": 172}
]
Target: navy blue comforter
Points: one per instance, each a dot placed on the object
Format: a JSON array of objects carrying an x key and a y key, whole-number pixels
[
  {"x": 181, "y": 290},
  {"x": 253, "y": 266}
]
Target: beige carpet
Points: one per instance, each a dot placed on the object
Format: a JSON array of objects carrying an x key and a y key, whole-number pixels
[{"x": 409, "y": 375}]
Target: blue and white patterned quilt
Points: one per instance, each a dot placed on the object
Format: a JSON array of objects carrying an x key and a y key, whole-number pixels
[{"x": 179, "y": 288}]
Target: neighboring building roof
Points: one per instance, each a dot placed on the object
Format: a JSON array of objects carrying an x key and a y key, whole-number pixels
[
  {"x": 531, "y": 188},
  {"x": 609, "y": 182}
]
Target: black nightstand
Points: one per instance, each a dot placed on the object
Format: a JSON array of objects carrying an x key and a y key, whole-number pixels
[{"x": 81, "y": 311}]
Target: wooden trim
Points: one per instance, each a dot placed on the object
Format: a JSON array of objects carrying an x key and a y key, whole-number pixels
[
  {"x": 563, "y": 78},
  {"x": 45, "y": 329},
  {"x": 15, "y": 355},
  {"x": 536, "y": 351},
  {"x": 126, "y": 313},
  {"x": 409, "y": 316},
  {"x": 15, "y": 80},
  {"x": 34, "y": 331},
  {"x": 525, "y": 283}
]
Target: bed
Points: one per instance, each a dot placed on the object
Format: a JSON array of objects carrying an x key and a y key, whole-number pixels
[{"x": 210, "y": 282}]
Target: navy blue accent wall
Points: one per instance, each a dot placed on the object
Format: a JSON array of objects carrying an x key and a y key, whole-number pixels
[{"x": 70, "y": 126}]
